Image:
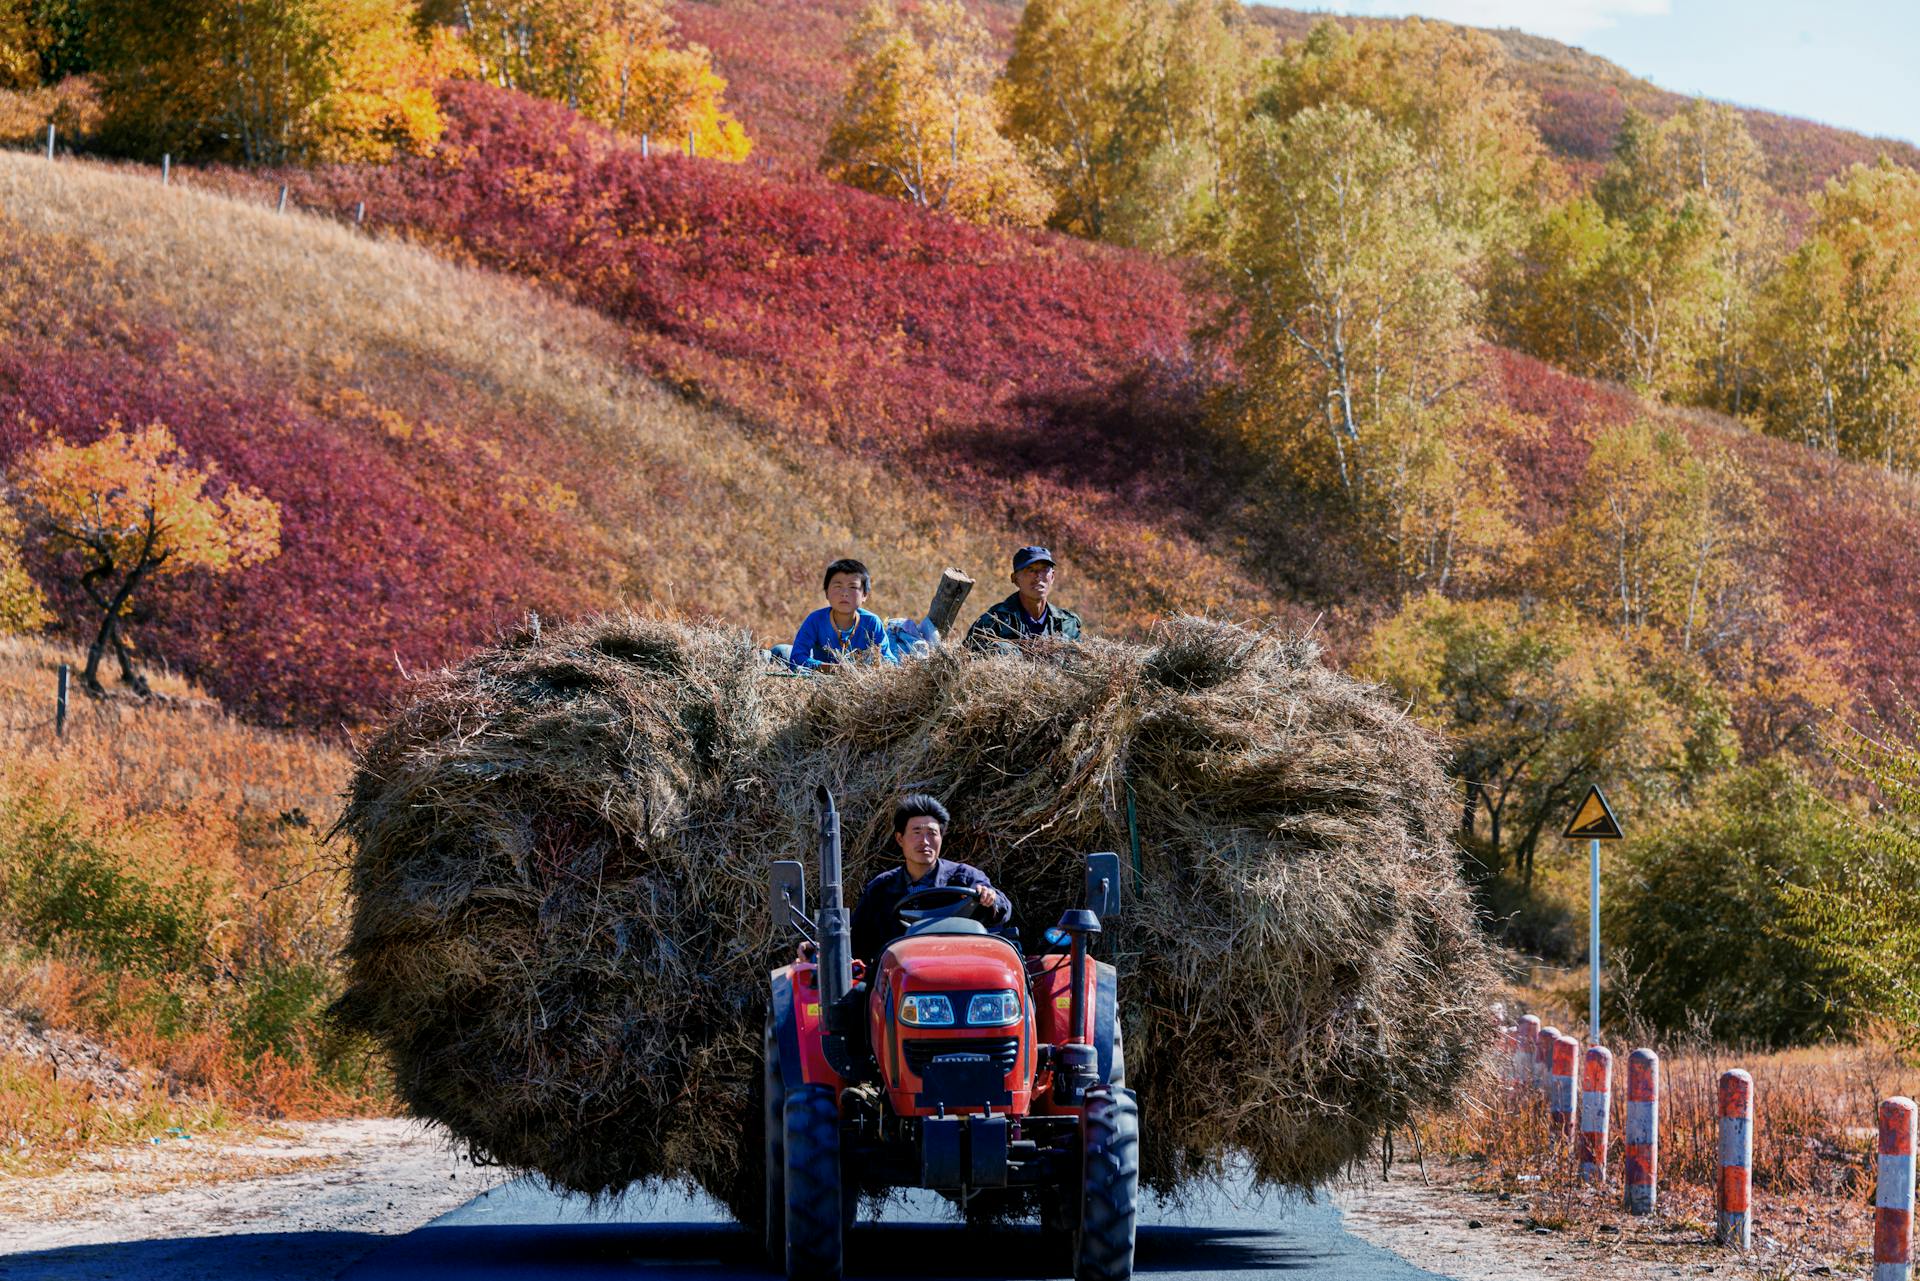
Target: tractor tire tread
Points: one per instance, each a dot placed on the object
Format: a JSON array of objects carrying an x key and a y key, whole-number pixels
[
  {"x": 1110, "y": 1183},
  {"x": 816, "y": 1240},
  {"x": 773, "y": 1122}
]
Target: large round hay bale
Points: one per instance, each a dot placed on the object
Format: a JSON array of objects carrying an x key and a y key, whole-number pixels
[{"x": 561, "y": 852}]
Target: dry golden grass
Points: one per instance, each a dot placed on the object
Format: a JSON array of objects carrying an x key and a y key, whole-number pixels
[
  {"x": 1813, "y": 1161},
  {"x": 702, "y": 513},
  {"x": 148, "y": 808}
]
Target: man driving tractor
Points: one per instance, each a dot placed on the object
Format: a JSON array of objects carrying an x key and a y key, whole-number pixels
[{"x": 919, "y": 827}]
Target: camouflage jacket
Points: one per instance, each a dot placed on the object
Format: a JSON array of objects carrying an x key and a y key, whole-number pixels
[{"x": 1007, "y": 621}]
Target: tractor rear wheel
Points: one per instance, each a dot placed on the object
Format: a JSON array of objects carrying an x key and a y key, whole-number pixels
[
  {"x": 1109, "y": 1186},
  {"x": 773, "y": 1106},
  {"x": 816, "y": 1226}
]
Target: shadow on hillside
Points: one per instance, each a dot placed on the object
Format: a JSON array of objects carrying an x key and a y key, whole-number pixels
[{"x": 1144, "y": 445}]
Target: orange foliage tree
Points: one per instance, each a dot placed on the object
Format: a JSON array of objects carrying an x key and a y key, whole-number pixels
[
  {"x": 133, "y": 507},
  {"x": 21, "y": 606},
  {"x": 19, "y": 46}
]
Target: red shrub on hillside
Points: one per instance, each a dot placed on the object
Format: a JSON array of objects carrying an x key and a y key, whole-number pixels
[
  {"x": 385, "y": 559},
  {"x": 1047, "y": 381}
]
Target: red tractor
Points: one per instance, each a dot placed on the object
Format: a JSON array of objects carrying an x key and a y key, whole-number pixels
[{"x": 954, "y": 1063}]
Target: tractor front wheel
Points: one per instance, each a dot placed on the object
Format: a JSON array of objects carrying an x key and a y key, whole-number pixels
[
  {"x": 816, "y": 1225},
  {"x": 773, "y": 1100},
  {"x": 1109, "y": 1186}
]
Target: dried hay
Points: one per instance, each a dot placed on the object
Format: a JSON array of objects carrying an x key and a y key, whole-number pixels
[{"x": 562, "y": 847}]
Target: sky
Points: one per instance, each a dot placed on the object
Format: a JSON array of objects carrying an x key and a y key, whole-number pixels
[{"x": 1841, "y": 62}]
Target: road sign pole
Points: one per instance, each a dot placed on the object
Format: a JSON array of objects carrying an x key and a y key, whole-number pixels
[{"x": 1593, "y": 948}]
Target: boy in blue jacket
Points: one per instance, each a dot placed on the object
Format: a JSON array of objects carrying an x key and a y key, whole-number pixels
[{"x": 843, "y": 627}]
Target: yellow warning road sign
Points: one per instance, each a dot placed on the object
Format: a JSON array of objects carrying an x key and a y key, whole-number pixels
[{"x": 1594, "y": 821}]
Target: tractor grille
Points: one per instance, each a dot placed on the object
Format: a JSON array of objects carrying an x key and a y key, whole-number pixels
[{"x": 1003, "y": 1050}]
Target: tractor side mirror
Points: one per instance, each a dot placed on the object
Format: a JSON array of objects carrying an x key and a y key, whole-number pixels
[
  {"x": 789, "y": 895},
  {"x": 1103, "y": 885}
]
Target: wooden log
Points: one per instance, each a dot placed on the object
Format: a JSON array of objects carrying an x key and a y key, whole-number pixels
[{"x": 947, "y": 600}]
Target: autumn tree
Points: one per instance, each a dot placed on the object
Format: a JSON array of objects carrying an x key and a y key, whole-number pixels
[
  {"x": 1448, "y": 92},
  {"x": 1537, "y": 704},
  {"x": 919, "y": 122},
  {"x": 1658, "y": 537},
  {"x": 615, "y": 61},
  {"x": 1841, "y": 330},
  {"x": 1130, "y": 107},
  {"x": 131, "y": 507},
  {"x": 265, "y": 81},
  {"x": 20, "y": 44},
  {"x": 22, "y": 608},
  {"x": 1354, "y": 332}
]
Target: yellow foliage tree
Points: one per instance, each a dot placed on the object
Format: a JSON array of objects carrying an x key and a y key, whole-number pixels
[
  {"x": 266, "y": 81},
  {"x": 1129, "y": 107},
  {"x": 611, "y": 60},
  {"x": 919, "y": 122},
  {"x": 1447, "y": 91},
  {"x": 22, "y": 608},
  {"x": 20, "y": 45},
  {"x": 1841, "y": 331},
  {"x": 132, "y": 507}
]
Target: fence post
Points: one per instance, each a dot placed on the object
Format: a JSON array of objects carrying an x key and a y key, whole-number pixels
[
  {"x": 49, "y": 140},
  {"x": 1562, "y": 1105},
  {"x": 166, "y": 168},
  {"x": 1526, "y": 1038},
  {"x": 646, "y": 146},
  {"x": 1543, "y": 1059},
  {"x": 360, "y": 213},
  {"x": 1733, "y": 1196},
  {"x": 283, "y": 199},
  {"x": 60, "y": 701},
  {"x": 1893, "y": 1194},
  {"x": 1642, "y": 1164},
  {"x": 1596, "y": 1112},
  {"x": 689, "y": 144}
]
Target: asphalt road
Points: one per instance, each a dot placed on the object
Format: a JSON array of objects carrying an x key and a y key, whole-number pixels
[{"x": 521, "y": 1231}]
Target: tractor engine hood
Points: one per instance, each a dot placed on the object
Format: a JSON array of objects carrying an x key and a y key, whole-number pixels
[{"x": 954, "y": 963}]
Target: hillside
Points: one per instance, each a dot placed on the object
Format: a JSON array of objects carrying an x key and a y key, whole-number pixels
[
  {"x": 450, "y": 448},
  {"x": 786, "y": 72}
]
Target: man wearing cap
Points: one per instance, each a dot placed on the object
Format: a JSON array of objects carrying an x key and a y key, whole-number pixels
[{"x": 1026, "y": 613}]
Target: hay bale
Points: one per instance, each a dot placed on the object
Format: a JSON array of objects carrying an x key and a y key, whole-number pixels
[{"x": 561, "y": 851}]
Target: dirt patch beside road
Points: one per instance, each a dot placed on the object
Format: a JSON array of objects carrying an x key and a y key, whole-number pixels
[{"x": 341, "y": 1183}]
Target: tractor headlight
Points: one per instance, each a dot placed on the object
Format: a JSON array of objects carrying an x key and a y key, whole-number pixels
[
  {"x": 924, "y": 1009},
  {"x": 993, "y": 1009}
]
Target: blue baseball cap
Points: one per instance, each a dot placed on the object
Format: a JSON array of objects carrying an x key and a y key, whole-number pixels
[{"x": 1029, "y": 556}]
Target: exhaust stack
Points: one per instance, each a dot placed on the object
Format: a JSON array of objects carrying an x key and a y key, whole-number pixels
[{"x": 836, "y": 933}]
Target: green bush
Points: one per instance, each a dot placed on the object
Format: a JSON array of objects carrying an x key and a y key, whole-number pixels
[
  {"x": 1701, "y": 920},
  {"x": 64, "y": 890}
]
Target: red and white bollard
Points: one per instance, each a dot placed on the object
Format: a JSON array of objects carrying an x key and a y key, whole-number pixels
[
  {"x": 1893, "y": 1197},
  {"x": 1526, "y": 1038},
  {"x": 1543, "y": 1060},
  {"x": 1596, "y": 1111},
  {"x": 1560, "y": 1103},
  {"x": 1733, "y": 1197},
  {"x": 1641, "y": 1167}
]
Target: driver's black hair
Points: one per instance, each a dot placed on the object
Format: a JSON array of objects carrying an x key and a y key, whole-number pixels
[
  {"x": 847, "y": 565},
  {"x": 919, "y": 805}
]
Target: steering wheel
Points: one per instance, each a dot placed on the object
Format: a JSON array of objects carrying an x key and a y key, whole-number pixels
[{"x": 936, "y": 903}]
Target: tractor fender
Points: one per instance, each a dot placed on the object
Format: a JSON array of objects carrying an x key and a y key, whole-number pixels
[
  {"x": 798, "y": 1029},
  {"x": 1106, "y": 1015}
]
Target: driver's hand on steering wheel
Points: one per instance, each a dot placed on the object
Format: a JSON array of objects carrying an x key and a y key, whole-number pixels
[{"x": 988, "y": 896}]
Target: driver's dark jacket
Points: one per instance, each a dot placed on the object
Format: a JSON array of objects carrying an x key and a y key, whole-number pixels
[{"x": 876, "y": 921}]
